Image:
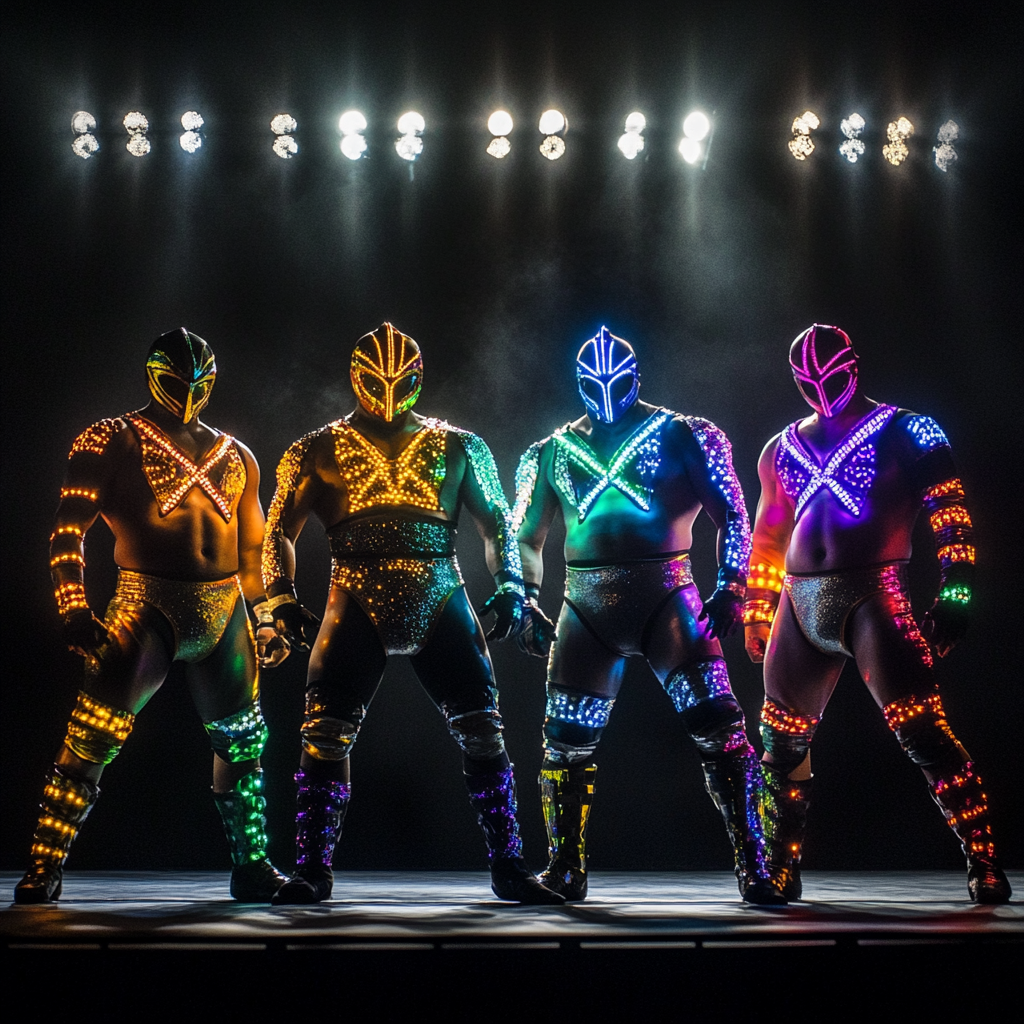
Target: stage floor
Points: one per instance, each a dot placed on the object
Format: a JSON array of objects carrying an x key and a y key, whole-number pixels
[{"x": 448, "y": 911}]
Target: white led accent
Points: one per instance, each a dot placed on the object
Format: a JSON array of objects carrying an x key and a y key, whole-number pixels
[
  {"x": 351, "y": 122},
  {"x": 696, "y": 126},
  {"x": 85, "y": 145},
  {"x": 138, "y": 145},
  {"x": 409, "y": 147},
  {"x": 630, "y": 144},
  {"x": 690, "y": 150},
  {"x": 135, "y": 122},
  {"x": 285, "y": 147},
  {"x": 636, "y": 122},
  {"x": 853, "y": 147},
  {"x": 411, "y": 123},
  {"x": 499, "y": 148},
  {"x": 353, "y": 146},
  {"x": 896, "y": 150},
  {"x": 190, "y": 141}
]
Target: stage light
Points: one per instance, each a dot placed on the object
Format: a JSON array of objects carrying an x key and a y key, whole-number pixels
[
  {"x": 82, "y": 122},
  {"x": 500, "y": 123},
  {"x": 632, "y": 142},
  {"x": 191, "y": 140},
  {"x": 945, "y": 153},
  {"x": 499, "y": 148},
  {"x": 410, "y": 145},
  {"x": 802, "y": 145},
  {"x": 353, "y": 146},
  {"x": 85, "y": 143},
  {"x": 283, "y": 124},
  {"x": 137, "y": 124},
  {"x": 696, "y": 126},
  {"x": 552, "y": 147},
  {"x": 351, "y": 122},
  {"x": 851, "y": 127},
  {"x": 285, "y": 147},
  {"x": 552, "y": 122},
  {"x": 191, "y": 121},
  {"x": 690, "y": 150},
  {"x": 897, "y": 132},
  {"x": 411, "y": 123},
  {"x": 636, "y": 122}
]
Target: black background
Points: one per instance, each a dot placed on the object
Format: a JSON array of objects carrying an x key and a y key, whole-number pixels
[{"x": 501, "y": 270}]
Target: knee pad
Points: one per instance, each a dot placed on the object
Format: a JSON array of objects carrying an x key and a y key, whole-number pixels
[
  {"x": 239, "y": 737},
  {"x": 97, "y": 731},
  {"x": 573, "y": 725},
  {"x": 786, "y": 735},
  {"x": 921, "y": 727},
  {"x": 691, "y": 684},
  {"x": 478, "y": 733},
  {"x": 717, "y": 726}
]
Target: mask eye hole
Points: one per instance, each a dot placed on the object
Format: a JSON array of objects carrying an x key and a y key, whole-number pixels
[
  {"x": 620, "y": 390},
  {"x": 406, "y": 386},
  {"x": 373, "y": 386},
  {"x": 174, "y": 388},
  {"x": 834, "y": 386},
  {"x": 591, "y": 390}
]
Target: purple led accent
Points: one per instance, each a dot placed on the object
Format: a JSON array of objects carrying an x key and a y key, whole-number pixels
[
  {"x": 493, "y": 798},
  {"x": 926, "y": 433},
  {"x": 318, "y": 821},
  {"x": 848, "y": 473},
  {"x": 811, "y": 374},
  {"x": 604, "y": 360}
]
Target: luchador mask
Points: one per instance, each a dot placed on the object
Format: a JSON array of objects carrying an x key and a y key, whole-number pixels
[
  {"x": 824, "y": 365},
  {"x": 607, "y": 375},
  {"x": 387, "y": 372},
  {"x": 181, "y": 371}
]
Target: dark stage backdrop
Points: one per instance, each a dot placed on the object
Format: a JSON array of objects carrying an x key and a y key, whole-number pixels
[{"x": 501, "y": 270}]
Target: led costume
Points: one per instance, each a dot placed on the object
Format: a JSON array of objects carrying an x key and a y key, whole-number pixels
[
  {"x": 628, "y": 480},
  {"x": 841, "y": 491},
  {"x": 160, "y": 478},
  {"x": 388, "y": 485}
]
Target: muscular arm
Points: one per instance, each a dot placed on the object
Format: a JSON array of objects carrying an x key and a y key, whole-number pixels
[{"x": 250, "y": 529}]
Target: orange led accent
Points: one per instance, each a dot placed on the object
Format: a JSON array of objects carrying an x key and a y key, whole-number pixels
[
  {"x": 70, "y": 556},
  {"x": 955, "y": 515},
  {"x": 785, "y": 721},
  {"x": 101, "y": 717},
  {"x": 952, "y": 486},
  {"x": 96, "y": 438},
  {"x": 80, "y": 492},
  {"x": 74, "y": 531},
  {"x": 765, "y": 577},
  {"x": 71, "y": 598},
  {"x": 956, "y": 553},
  {"x": 899, "y": 712},
  {"x": 758, "y": 610}
]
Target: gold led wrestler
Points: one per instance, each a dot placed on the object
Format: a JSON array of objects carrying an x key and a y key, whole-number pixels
[{"x": 182, "y": 501}]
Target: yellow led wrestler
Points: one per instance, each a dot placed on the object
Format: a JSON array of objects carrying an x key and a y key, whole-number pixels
[{"x": 182, "y": 501}]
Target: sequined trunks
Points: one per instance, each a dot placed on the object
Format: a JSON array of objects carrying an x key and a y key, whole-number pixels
[
  {"x": 823, "y": 603},
  {"x": 617, "y": 601},
  {"x": 198, "y": 612},
  {"x": 400, "y": 570}
]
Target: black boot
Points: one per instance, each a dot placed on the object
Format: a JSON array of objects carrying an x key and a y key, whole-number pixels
[
  {"x": 321, "y": 814},
  {"x": 253, "y": 878},
  {"x": 566, "y": 795},
  {"x": 784, "y": 804},
  {"x": 734, "y": 783},
  {"x": 65, "y": 805},
  {"x": 493, "y": 797},
  {"x": 964, "y": 804}
]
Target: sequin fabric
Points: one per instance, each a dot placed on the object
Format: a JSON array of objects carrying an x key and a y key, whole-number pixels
[
  {"x": 493, "y": 797},
  {"x": 288, "y": 471},
  {"x": 97, "y": 731},
  {"x": 95, "y": 439},
  {"x": 693, "y": 684},
  {"x": 172, "y": 474},
  {"x": 322, "y": 806},
  {"x": 848, "y": 472},
  {"x": 781, "y": 719},
  {"x": 239, "y": 737},
  {"x": 616, "y": 601},
  {"x": 198, "y": 612},
  {"x": 393, "y": 536},
  {"x": 578, "y": 708},
  {"x": 526, "y": 481},
  {"x": 823, "y": 604}
]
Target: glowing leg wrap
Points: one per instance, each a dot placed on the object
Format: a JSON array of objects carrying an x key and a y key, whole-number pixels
[
  {"x": 65, "y": 805},
  {"x": 566, "y": 795},
  {"x": 921, "y": 727},
  {"x": 97, "y": 731},
  {"x": 493, "y": 798}
]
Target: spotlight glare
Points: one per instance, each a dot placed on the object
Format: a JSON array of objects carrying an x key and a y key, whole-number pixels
[
  {"x": 411, "y": 123},
  {"x": 552, "y": 147},
  {"x": 690, "y": 150},
  {"x": 409, "y": 147},
  {"x": 83, "y": 121},
  {"x": 801, "y": 146},
  {"x": 696, "y": 126},
  {"x": 353, "y": 146},
  {"x": 85, "y": 145},
  {"x": 135, "y": 122},
  {"x": 191, "y": 121},
  {"x": 350, "y": 123},
  {"x": 285, "y": 147},
  {"x": 190, "y": 141},
  {"x": 499, "y": 148},
  {"x": 631, "y": 143},
  {"x": 636, "y": 122},
  {"x": 500, "y": 123},
  {"x": 282, "y": 124},
  {"x": 552, "y": 122}
]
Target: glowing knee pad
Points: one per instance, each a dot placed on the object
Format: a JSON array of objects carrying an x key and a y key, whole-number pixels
[
  {"x": 328, "y": 739},
  {"x": 692, "y": 684},
  {"x": 239, "y": 737},
  {"x": 717, "y": 726},
  {"x": 573, "y": 724},
  {"x": 921, "y": 727},
  {"x": 786, "y": 735},
  {"x": 478, "y": 733},
  {"x": 97, "y": 731}
]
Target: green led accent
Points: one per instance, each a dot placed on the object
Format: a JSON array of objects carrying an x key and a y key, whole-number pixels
[
  {"x": 960, "y": 593},
  {"x": 526, "y": 481},
  {"x": 239, "y": 737},
  {"x": 242, "y": 810},
  {"x": 611, "y": 475}
]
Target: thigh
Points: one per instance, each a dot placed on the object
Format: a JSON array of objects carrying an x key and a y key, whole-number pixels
[
  {"x": 893, "y": 659},
  {"x": 227, "y": 679},
  {"x": 798, "y": 676},
  {"x": 347, "y": 659},
  {"x": 454, "y": 665},
  {"x": 675, "y": 637},
  {"x": 580, "y": 662},
  {"x": 127, "y": 671}
]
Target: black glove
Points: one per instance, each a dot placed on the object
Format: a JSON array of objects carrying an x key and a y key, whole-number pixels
[
  {"x": 724, "y": 612},
  {"x": 945, "y": 624},
  {"x": 537, "y": 632},
  {"x": 507, "y": 606},
  {"x": 296, "y": 625},
  {"x": 84, "y": 633}
]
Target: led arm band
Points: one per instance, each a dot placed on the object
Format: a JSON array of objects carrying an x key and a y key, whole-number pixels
[{"x": 288, "y": 471}]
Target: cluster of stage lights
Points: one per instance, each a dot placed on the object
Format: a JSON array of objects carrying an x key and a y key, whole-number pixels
[{"x": 553, "y": 125}]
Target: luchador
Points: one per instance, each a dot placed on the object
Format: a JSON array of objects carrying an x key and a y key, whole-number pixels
[
  {"x": 182, "y": 501},
  {"x": 388, "y": 485},
  {"x": 840, "y": 493},
  {"x": 629, "y": 479}
]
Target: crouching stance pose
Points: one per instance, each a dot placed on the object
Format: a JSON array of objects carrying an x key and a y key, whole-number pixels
[
  {"x": 182, "y": 500},
  {"x": 629, "y": 479},
  {"x": 388, "y": 484},
  {"x": 840, "y": 492}
]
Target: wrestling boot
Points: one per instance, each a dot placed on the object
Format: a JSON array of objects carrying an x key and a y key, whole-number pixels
[
  {"x": 734, "y": 782},
  {"x": 65, "y": 805},
  {"x": 566, "y": 795},
  {"x": 321, "y": 813},
  {"x": 253, "y": 878},
  {"x": 784, "y": 804},
  {"x": 493, "y": 797},
  {"x": 964, "y": 804}
]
